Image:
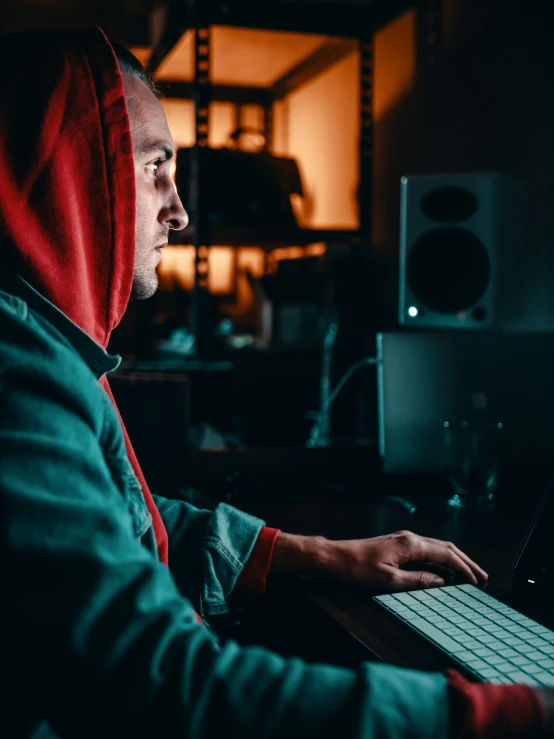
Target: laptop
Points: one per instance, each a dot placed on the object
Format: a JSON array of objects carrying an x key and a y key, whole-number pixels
[
  {"x": 427, "y": 378},
  {"x": 485, "y": 638}
]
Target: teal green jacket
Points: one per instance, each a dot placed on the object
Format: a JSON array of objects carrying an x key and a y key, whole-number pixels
[{"x": 99, "y": 638}]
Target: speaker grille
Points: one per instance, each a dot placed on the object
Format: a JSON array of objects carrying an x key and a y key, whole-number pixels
[
  {"x": 448, "y": 270},
  {"x": 449, "y": 204}
]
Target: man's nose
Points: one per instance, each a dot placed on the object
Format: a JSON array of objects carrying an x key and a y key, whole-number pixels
[{"x": 177, "y": 217}]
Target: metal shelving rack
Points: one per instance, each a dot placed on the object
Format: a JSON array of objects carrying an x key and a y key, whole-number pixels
[{"x": 348, "y": 25}]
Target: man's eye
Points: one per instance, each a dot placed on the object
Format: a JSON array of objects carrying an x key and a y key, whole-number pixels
[{"x": 153, "y": 167}]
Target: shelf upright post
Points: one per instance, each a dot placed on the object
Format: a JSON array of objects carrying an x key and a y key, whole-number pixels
[
  {"x": 429, "y": 34},
  {"x": 268, "y": 125},
  {"x": 365, "y": 195},
  {"x": 200, "y": 312}
]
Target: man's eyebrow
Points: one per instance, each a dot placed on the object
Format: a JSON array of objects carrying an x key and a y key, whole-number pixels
[{"x": 149, "y": 147}]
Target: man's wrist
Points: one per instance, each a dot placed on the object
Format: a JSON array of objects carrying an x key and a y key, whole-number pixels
[{"x": 301, "y": 555}]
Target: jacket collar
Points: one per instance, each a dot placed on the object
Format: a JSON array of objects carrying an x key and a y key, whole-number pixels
[{"x": 99, "y": 361}]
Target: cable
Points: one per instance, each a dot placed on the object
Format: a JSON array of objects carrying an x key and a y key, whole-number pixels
[
  {"x": 366, "y": 361},
  {"x": 315, "y": 432}
]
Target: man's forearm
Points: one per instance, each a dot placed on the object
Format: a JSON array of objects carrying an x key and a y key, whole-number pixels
[
  {"x": 302, "y": 555},
  {"x": 377, "y": 562}
]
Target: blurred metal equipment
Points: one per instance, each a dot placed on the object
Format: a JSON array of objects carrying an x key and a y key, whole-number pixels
[
  {"x": 481, "y": 377},
  {"x": 242, "y": 190},
  {"x": 320, "y": 432},
  {"x": 462, "y": 259}
]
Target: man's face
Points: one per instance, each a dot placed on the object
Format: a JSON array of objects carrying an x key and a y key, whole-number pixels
[{"x": 158, "y": 208}]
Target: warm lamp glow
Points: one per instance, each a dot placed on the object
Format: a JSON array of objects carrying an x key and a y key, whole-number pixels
[
  {"x": 177, "y": 268},
  {"x": 317, "y": 124},
  {"x": 252, "y": 260}
]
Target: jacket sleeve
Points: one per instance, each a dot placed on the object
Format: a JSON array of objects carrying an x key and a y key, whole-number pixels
[
  {"x": 100, "y": 639},
  {"x": 207, "y": 550}
]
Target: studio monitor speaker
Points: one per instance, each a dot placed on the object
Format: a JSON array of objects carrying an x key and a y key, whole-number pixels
[{"x": 461, "y": 250}]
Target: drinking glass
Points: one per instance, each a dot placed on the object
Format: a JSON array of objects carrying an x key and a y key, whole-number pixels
[{"x": 472, "y": 459}]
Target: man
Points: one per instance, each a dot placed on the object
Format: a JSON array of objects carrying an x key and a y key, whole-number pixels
[{"x": 99, "y": 637}]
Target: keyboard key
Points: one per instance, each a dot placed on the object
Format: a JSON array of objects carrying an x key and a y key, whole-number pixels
[
  {"x": 523, "y": 678},
  {"x": 465, "y": 625},
  {"x": 453, "y": 632},
  {"x": 436, "y": 620},
  {"x": 464, "y": 639},
  {"x": 547, "y": 664},
  {"x": 532, "y": 669},
  {"x": 483, "y": 652},
  {"x": 536, "y": 642},
  {"x": 491, "y": 628},
  {"x": 423, "y": 612},
  {"x": 546, "y": 679},
  {"x": 504, "y": 622},
  {"x": 530, "y": 624},
  {"x": 512, "y": 668},
  {"x": 488, "y": 673},
  {"x": 520, "y": 661},
  {"x": 495, "y": 645},
  {"x": 466, "y": 656},
  {"x": 513, "y": 641},
  {"x": 406, "y": 598},
  {"x": 507, "y": 653},
  {"x": 476, "y": 664},
  {"x": 534, "y": 656},
  {"x": 518, "y": 617},
  {"x": 516, "y": 630},
  {"x": 548, "y": 649},
  {"x": 497, "y": 662},
  {"x": 501, "y": 680},
  {"x": 487, "y": 639},
  {"x": 524, "y": 649},
  {"x": 482, "y": 622}
]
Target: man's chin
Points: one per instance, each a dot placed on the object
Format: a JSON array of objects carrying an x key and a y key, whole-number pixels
[{"x": 143, "y": 288}]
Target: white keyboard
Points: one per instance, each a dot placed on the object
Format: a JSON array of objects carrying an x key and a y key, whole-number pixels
[{"x": 489, "y": 639}]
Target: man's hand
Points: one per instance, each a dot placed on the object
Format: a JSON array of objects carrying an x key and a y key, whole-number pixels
[{"x": 376, "y": 563}]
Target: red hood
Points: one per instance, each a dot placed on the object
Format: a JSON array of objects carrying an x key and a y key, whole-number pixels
[{"x": 67, "y": 189}]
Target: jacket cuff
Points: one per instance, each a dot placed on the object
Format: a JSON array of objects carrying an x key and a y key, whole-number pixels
[
  {"x": 485, "y": 711},
  {"x": 253, "y": 578}
]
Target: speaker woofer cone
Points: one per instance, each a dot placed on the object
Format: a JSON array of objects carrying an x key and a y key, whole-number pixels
[{"x": 448, "y": 270}]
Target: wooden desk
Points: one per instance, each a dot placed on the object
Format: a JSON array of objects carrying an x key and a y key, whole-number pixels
[{"x": 491, "y": 538}]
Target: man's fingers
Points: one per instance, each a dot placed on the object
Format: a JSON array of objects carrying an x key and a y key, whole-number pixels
[
  {"x": 478, "y": 571},
  {"x": 443, "y": 555},
  {"x": 402, "y": 580}
]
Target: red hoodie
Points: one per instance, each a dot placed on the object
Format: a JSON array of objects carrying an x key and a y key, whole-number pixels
[{"x": 67, "y": 188}]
